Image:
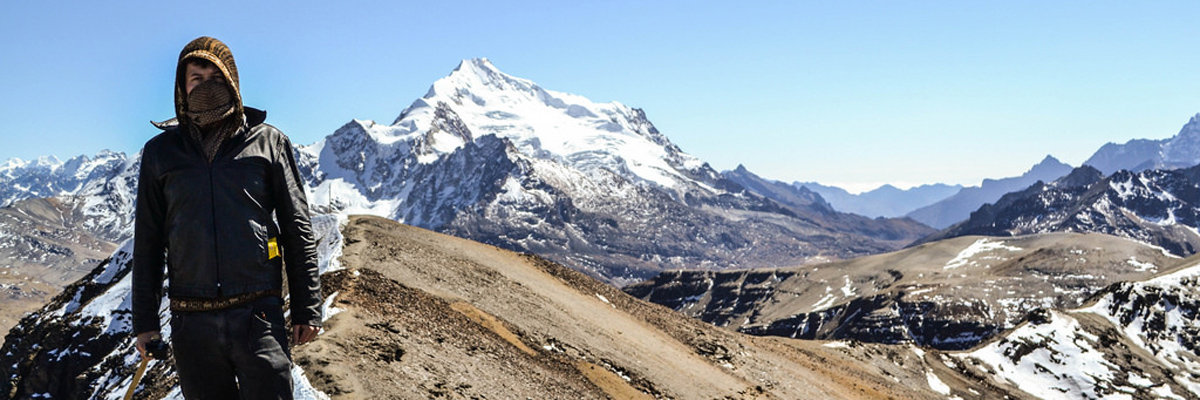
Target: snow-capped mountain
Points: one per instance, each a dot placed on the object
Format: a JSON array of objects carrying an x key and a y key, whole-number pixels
[
  {"x": 1179, "y": 151},
  {"x": 59, "y": 219},
  {"x": 499, "y": 159},
  {"x": 958, "y": 207},
  {"x": 101, "y": 188},
  {"x": 885, "y": 201},
  {"x": 47, "y": 176},
  {"x": 1159, "y": 207}
]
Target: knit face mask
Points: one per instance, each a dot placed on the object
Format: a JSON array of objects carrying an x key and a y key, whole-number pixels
[{"x": 209, "y": 102}]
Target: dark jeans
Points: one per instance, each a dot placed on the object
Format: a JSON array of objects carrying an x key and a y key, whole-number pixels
[{"x": 240, "y": 352}]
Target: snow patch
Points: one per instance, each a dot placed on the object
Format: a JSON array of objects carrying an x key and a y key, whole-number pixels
[
  {"x": 1141, "y": 266},
  {"x": 965, "y": 257},
  {"x": 302, "y": 388},
  {"x": 848, "y": 289},
  {"x": 936, "y": 383},
  {"x": 1052, "y": 360},
  {"x": 327, "y": 308},
  {"x": 824, "y": 303}
]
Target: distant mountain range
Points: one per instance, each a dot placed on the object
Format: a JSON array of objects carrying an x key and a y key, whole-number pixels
[
  {"x": 1159, "y": 207},
  {"x": 959, "y": 206},
  {"x": 804, "y": 202},
  {"x": 936, "y": 205},
  {"x": 1179, "y": 151},
  {"x": 885, "y": 201},
  {"x": 923, "y": 203}
]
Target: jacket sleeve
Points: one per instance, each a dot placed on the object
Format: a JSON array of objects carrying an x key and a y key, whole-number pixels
[
  {"x": 296, "y": 237},
  {"x": 149, "y": 246}
]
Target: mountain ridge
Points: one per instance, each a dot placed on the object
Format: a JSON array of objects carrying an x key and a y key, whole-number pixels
[
  {"x": 959, "y": 206},
  {"x": 885, "y": 201},
  {"x": 1136, "y": 155},
  {"x": 1158, "y": 207}
]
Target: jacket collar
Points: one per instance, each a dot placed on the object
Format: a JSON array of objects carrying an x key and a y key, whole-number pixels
[{"x": 255, "y": 117}]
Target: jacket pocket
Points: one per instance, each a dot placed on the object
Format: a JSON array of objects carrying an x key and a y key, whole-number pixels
[
  {"x": 260, "y": 240},
  {"x": 267, "y": 329}
]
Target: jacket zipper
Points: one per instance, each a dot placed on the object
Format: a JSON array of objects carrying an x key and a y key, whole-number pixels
[{"x": 212, "y": 205}]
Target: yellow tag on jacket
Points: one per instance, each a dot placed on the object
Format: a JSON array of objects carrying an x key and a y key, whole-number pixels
[{"x": 272, "y": 248}]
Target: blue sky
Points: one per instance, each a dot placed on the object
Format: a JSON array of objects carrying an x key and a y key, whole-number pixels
[{"x": 849, "y": 93}]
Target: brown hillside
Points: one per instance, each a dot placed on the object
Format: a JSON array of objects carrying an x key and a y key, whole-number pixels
[
  {"x": 425, "y": 315},
  {"x": 43, "y": 248}
]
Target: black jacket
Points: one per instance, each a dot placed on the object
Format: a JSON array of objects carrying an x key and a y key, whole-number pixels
[{"x": 215, "y": 219}]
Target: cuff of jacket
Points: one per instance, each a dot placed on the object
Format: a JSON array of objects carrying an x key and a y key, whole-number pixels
[
  {"x": 145, "y": 326},
  {"x": 306, "y": 317}
]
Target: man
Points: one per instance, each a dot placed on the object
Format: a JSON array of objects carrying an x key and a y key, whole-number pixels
[{"x": 208, "y": 187}]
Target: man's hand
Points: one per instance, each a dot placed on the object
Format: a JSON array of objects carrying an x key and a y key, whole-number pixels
[
  {"x": 302, "y": 334},
  {"x": 145, "y": 338}
]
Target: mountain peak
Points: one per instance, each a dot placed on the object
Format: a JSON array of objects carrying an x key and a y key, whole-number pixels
[
  {"x": 887, "y": 187},
  {"x": 1049, "y": 159},
  {"x": 1048, "y": 165},
  {"x": 48, "y": 161},
  {"x": 477, "y": 99},
  {"x": 474, "y": 74},
  {"x": 1082, "y": 176},
  {"x": 1191, "y": 128},
  {"x": 476, "y": 64}
]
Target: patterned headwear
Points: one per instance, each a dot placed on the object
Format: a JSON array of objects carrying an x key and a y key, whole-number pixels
[
  {"x": 219, "y": 122},
  {"x": 213, "y": 50}
]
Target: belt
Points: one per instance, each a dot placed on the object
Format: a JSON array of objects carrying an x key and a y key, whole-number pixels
[{"x": 219, "y": 303}]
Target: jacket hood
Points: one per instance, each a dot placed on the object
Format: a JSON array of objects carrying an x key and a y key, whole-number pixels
[{"x": 215, "y": 51}]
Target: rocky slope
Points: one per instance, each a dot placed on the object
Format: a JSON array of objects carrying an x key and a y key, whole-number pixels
[
  {"x": 1159, "y": 207},
  {"x": 416, "y": 314},
  {"x": 951, "y": 294},
  {"x": 43, "y": 248},
  {"x": 959, "y": 206},
  {"x": 1133, "y": 340}
]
